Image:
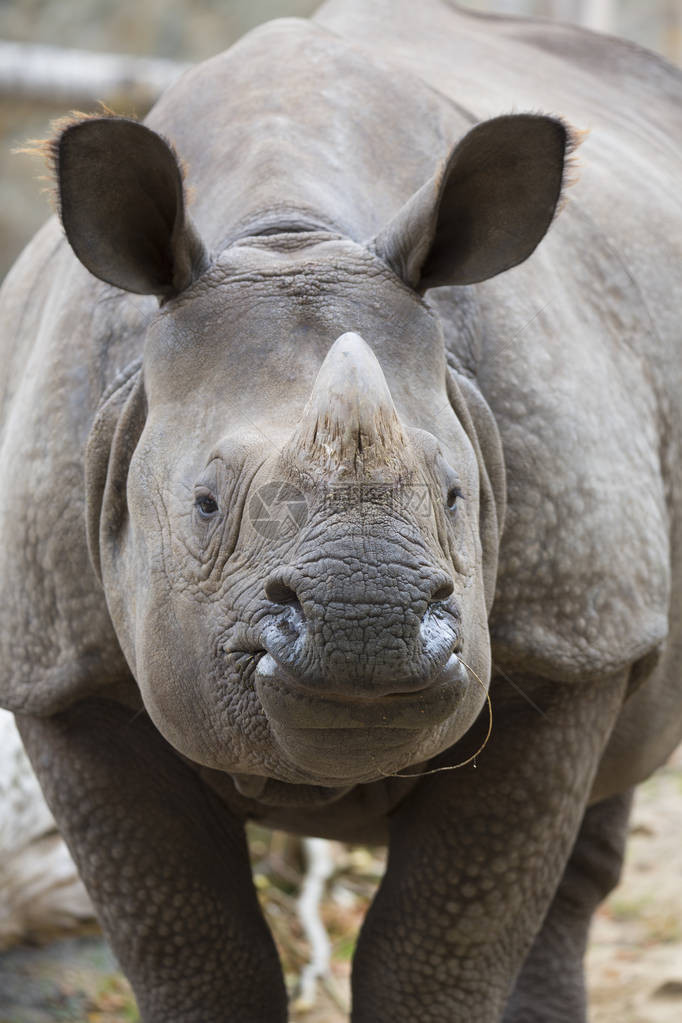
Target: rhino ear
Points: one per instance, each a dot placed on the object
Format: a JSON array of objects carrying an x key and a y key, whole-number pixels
[
  {"x": 486, "y": 209},
  {"x": 122, "y": 204}
]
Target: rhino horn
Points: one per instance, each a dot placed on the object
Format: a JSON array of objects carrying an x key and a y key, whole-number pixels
[{"x": 350, "y": 422}]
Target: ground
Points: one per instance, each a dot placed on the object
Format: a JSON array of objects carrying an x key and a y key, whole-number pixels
[
  {"x": 634, "y": 962},
  {"x": 635, "y": 957}
]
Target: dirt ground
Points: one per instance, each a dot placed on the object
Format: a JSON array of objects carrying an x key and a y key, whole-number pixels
[
  {"x": 634, "y": 962},
  {"x": 635, "y": 957}
]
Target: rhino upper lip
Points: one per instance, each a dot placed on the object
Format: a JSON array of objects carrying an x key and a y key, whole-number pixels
[{"x": 286, "y": 703}]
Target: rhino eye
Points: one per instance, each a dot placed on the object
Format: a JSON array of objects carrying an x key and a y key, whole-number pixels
[
  {"x": 454, "y": 493},
  {"x": 206, "y": 505}
]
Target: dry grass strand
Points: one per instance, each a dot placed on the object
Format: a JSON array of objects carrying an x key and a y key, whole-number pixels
[{"x": 455, "y": 767}]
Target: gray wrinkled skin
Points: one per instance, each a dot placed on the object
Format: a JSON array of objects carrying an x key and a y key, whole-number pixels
[{"x": 483, "y": 463}]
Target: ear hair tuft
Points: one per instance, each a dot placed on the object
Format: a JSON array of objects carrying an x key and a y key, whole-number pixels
[
  {"x": 48, "y": 148},
  {"x": 572, "y": 163}
]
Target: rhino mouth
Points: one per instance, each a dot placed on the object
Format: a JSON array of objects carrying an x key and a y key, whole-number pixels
[
  {"x": 356, "y": 738},
  {"x": 288, "y": 705}
]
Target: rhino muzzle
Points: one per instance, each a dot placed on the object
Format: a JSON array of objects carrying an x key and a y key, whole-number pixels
[
  {"x": 326, "y": 640},
  {"x": 362, "y": 630},
  {"x": 334, "y": 735}
]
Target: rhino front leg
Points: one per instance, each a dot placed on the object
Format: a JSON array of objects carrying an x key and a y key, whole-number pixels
[
  {"x": 475, "y": 858},
  {"x": 551, "y": 985},
  {"x": 165, "y": 864}
]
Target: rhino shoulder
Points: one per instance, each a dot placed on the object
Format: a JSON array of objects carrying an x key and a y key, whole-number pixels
[
  {"x": 56, "y": 640},
  {"x": 586, "y": 562}
]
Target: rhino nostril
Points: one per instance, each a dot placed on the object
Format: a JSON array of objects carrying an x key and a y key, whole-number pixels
[
  {"x": 445, "y": 590},
  {"x": 279, "y": 593}
]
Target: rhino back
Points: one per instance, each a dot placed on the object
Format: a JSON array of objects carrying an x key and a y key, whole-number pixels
[
  {"x": 623, "y": 99},
  {"x": 296, "y": 120}
]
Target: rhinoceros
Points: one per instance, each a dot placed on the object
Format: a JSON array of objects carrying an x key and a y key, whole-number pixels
[{"x": 304, "y": 460}]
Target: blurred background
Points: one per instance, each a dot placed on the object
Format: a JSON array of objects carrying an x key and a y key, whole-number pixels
[{"x": 59, "y": 54}]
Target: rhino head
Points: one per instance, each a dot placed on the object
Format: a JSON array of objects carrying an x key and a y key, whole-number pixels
[{"x": 288, "y": 503}]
